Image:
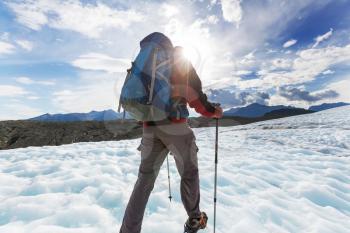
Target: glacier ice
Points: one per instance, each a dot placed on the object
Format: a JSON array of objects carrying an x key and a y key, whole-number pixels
[{"x": 285, "y": 175}]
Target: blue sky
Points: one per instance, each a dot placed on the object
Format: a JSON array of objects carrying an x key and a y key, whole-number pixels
[{"x": 70, "y": 56}]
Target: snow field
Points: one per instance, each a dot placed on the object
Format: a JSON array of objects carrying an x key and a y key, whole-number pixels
[{"x": 286, "y": 175}]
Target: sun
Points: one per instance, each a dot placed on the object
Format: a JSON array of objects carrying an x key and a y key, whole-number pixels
[
  {"x": 198, "y": 48},
  {"x": 192, "y": 54}
]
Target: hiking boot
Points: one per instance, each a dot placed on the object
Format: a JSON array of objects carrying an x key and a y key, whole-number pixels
[{"x": 194, "y": 224}]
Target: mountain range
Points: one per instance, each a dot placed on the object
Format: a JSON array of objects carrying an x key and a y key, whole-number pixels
[
  {"x": 259, "y": 110},
  {"x": 106, "y": 115},
  {"x": 326, "y": 106},
  {"x": 254, "y": 110},
  {"x": 249, "y": 111}
]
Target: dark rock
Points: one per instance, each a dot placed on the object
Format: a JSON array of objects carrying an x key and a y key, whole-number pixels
[{"x": 17, "y": 134}]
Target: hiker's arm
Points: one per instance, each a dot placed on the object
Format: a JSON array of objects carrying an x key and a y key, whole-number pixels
[{"x": 196, "y": 98}]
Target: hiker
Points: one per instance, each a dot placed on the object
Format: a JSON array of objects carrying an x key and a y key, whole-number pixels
[{"x": 174, "y": 135}]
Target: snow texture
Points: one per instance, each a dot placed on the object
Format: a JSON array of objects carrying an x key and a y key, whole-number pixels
[{"x": 286, "y": 175}]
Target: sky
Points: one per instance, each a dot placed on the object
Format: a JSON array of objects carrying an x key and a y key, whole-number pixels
[{"x": 62, "y": 56}]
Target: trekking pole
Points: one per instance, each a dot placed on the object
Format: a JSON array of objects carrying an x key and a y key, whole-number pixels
[
  {"x": 167, "y": 162},
  {"x": 216, "y": 168}
]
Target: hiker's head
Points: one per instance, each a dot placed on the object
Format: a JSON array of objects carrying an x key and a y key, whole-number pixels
[{"x": 179, "y": 52}]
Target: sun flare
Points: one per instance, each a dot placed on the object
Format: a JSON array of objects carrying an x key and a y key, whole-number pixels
[
  {"x": 191, "y": 54},
  {"x": 197, "y": 48}
]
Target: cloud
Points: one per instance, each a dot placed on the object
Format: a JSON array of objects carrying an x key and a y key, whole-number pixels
[
  {"x": 229, "y": 99},
  {"x": 101, "y": 62},
  {"x": 232, "y": 11},
  {"x": 33, "y": 97},
  {"x": 88, "y": 97},
  {"x": 243, "y": 72},
  {"x": 29, "y": 14},
  {"x": 168, "y": 10},
  {"x": 296, "y": 94},
  {"x": 304, "y": 68},
  {"x": 6, "y": 48},
  {"x": 24, "y": 80},
  {"x": 341, "y": 87},
  {"x": 11, "y": 91},
  {"x": 29, "y": 81},
  {"x": 220, "y": 45},
  {"x": 263, "y": 21},
  {"x": 88, "y": 19},
  {"x": 281, "y": 63},
  {"x": 323, "y": 37},
  {"x": 327, "y": 72},
  {"x": 289, "y": 43},
  {"x": 25, "y": 44},
  {"x": 212, "y": 19},
  {"x": 17, "y": 111}
]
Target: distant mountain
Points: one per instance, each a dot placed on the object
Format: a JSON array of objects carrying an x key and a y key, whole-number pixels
[
  {"x": 287, "y": 112},
  {"x": 326, "y": 106},
  {"x": 106, "y": 115},
  {"x": 250, "y": 111},
  {"x": 254, "y": 110}
]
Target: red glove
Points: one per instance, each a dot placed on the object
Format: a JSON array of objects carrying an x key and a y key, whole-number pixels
[{"x": 218, "y": 112}]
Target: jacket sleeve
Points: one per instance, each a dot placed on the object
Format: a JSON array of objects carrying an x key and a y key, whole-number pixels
[{"x": 195, "y": 96}]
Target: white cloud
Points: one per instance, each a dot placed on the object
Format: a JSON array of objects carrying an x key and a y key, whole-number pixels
[
  {"x": 243, "y": 72},
  {"x": 5, "y": 36},
  {"x": 323, "y": 37},
  {"x": 30, "y": 14},
  {"x": 263, "y": 21},
  {"x": 25, "y": 44},
  {"x": 306, "y": 67},
  {"x": 342, "y": 87},
  {"x": 101, "y": 62},
  {"x": 279, "y": 100},
  {"x": 33, "y": 97},
  {"x": 89, "y": 97},
  {"x": 327, "y": 72},
  {"x": 24, "y": 80},
  {"x": 6, "y": 48},
  {"x": 312, "y": 62},
  {"x": 11, "y": 91},
  {"x": 289, "y": 43},
  {"x": 87, "y": 19},
  {"x": 212, "y": 19},
  {"x": 29, "y": 81},
  {"x": 46, "y": 83},
  {"x": 232, "y": 11},
  {"x": 281, "y": 63},
  {"x": 17, "y": 110},
  {"x": 168, "y": 10}
]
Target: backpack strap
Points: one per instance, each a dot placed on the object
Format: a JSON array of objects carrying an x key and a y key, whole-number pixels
[
  {"x": 166, "y": 62},
  {"x": 154, "y": 69}
]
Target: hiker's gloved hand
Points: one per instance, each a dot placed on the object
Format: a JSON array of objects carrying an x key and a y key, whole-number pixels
[{"x": 218, "y": 112}]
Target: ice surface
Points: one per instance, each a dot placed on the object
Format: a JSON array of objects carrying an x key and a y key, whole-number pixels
[{"x": 286, "y": 175}]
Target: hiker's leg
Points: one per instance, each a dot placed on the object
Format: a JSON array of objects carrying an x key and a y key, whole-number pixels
[
  {"x": 180, "y": 140},
  {"x": 153, "y": 153}
]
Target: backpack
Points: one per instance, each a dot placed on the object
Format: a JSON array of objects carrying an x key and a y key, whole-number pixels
[{"x": 146, "y": 93}]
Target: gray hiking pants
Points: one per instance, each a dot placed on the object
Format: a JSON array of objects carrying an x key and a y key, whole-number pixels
[{"x": 156, "y": 143}]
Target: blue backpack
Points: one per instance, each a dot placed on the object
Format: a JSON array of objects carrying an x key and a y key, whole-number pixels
[{"x": 146, "y": 93}]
